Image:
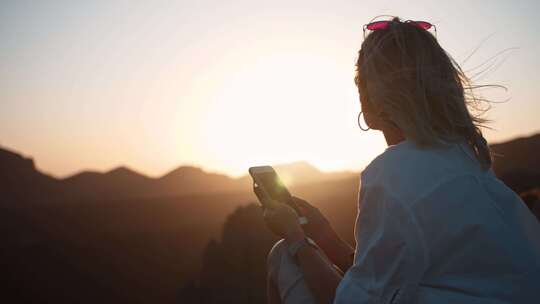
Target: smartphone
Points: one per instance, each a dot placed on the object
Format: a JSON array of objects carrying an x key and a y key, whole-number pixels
[{"x": 267, "y": 184}]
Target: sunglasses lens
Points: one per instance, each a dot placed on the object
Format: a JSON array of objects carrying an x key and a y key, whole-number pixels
[
  {"x": 422, "y": 24},
  {"x": 378, "y": 25}
]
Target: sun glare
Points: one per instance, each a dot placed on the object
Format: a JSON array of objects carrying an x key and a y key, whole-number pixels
[{"x": 281, "y": 108}]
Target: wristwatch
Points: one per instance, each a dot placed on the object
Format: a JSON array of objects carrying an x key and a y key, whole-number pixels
[{"x": 295, "y": 246}]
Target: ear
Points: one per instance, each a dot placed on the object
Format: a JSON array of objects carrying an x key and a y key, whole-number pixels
[{"x": 372, "y": 116}]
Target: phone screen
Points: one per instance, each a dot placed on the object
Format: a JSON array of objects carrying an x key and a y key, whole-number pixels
[{"x": 273, "y": 186}]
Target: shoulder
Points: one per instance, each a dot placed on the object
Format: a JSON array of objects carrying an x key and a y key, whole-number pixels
[
  {"x": 407, "y": 170},
  {"x": 397, "y": 159}
]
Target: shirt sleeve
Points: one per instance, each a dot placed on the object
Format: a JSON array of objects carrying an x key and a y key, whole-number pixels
[{"x": 390, "y": 256}]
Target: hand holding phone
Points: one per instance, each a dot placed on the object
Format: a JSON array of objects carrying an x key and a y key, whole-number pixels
[
  {"x": 268, "y": 187},
  {"x": 283, "y": 221}
]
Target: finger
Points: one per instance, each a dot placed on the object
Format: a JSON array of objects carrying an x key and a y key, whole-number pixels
[
  {"x": 272, "y": 204},
  {"x": 275, "y": 206},
  {"x": 286, "y": 210},
  {"x": 258, "y": 192},
  {"x": 260, "y": 195}
]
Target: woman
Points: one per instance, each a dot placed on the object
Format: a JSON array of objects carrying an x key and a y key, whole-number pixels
[{"x": 434, "y": 224}]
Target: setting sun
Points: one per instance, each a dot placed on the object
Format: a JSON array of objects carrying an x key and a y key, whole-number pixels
[{"x": 280, "y": 108}]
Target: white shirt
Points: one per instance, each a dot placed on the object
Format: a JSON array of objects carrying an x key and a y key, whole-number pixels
[{"x": 433, "y": 227}]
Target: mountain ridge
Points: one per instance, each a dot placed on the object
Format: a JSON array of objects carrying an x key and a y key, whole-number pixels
[
  {"x": 123, "y": 182},
  {"x": 22, "y": 177}
]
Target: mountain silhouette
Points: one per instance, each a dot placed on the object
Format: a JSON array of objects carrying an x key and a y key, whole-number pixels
[
  {"x": 120, "y": 182},
  {"x": 517, "y": 164},
  {"x": 125, "y": 183},
  {"x": 189, "y": 179},
  {"x": 520, "y": 154},
  {"x": 21, "y": 181},
  {"x": 234, "y": 267},
  {"x": 513, "y": 161}
]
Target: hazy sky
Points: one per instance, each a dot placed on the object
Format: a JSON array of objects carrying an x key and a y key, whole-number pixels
[{"x": 228, "y": 84}]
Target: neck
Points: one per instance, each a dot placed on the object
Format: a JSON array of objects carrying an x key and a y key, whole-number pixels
[{"x": 393, "y": 138}]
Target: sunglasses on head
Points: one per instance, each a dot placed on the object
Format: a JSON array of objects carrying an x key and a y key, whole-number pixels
[{"x": 384, "y": 24}]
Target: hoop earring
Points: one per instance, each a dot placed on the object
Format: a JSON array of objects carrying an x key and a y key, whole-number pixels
[{"x": 360, "y": 124}]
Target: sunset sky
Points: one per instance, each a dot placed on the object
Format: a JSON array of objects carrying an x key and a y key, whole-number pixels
[{"x": 229, "y": 84}]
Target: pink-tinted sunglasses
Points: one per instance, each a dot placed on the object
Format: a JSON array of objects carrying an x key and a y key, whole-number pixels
[{"x": 384, "y": 24}]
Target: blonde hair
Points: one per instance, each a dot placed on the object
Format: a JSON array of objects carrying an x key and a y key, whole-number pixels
[{"x": 420, "y": 88}]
